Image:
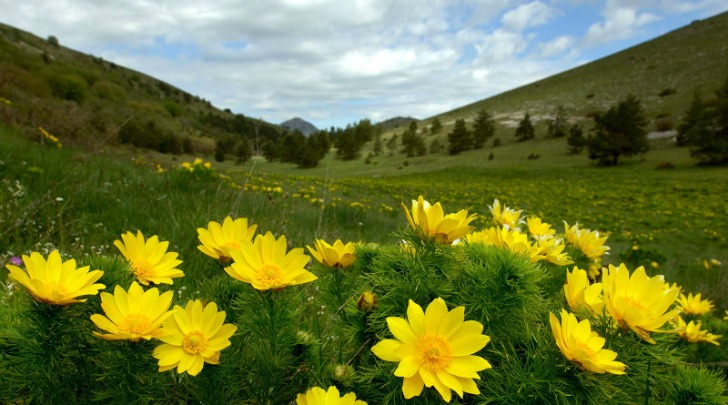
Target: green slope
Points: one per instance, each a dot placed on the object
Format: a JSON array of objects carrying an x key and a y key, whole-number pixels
[{"x": 663, "y": 72}]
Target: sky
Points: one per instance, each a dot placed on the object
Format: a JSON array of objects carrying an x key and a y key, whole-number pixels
[{"x": 334, "y": 62}]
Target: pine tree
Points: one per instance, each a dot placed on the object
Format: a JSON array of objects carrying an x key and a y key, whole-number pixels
[
  {"x": 483, "y": 129},
  {"x": 618, "y": 132},
  {"x": 460, "y": 138},
  {"x": 575, "y": 140},
  {"x": 708, "y": 134},
  {"x": 435, "y": 126},
  {"x": 558, "y": 126},
  {"x": 525, "y": 129}
]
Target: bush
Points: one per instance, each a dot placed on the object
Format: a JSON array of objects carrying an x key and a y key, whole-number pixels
[
  {"x": 68, "y": 87},
  {"x": 53, "y": 41},
  {"x": 664, "y": 124}
]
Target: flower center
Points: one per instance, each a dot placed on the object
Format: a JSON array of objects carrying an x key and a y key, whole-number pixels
[
  {"x": 634, "y": 302},
  {"x": 231, "y": 245},
  {"x": 135, "y": 325},
  {"x": 270, "y": 275},
  {"x": 194, "y": 342},
  {"x": 435, "y": 352},
  {"x": 143, "y": 269}
]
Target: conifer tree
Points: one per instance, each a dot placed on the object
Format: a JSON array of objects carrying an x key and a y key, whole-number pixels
[
  {"x": 706, "y": 128},
  {"x": 618, "y": 132},
  {"x": 460, "y": 138},
  {"x": 558, "y": 126},
  {"x": 525, "y": 129},
  {"x": 435, "y": 126},
  {"x": 575, "y": 140},
  {"x": 483, "y": 129}
]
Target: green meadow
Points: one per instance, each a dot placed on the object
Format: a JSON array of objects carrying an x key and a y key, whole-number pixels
[{"x": 79, "y": 202}]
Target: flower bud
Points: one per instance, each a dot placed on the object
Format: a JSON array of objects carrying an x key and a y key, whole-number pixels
[{"x": 367, "y": 301}]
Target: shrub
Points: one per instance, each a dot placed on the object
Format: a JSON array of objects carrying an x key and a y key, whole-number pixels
[
  {"x": 664, "y": 124},
  {"x": 667, "y": 91},
  {"x": 53, "y": 41},
  {"x": 68, "y": 87}
]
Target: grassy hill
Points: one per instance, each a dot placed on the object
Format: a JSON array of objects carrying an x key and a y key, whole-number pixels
[
  {"x": 663, "y": 73},
  {"x": 87, "y": 101}
]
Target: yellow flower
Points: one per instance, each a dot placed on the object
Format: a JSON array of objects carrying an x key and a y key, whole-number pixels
[
  {"x": 218, "y": 240},
  {"x": 694, "y": 304},
  {"x": 429, "y": 221},
  {"x": 725, "y": 318},
  {"x": 435, "y": 349},
  {"x": 133, "y": 315},
  {"x": 582, "y": 346},
  {"x": 367, "y": 301},
  {"x": 580, "y": 295},
  {"x": 510, "y": 238},
  {"x": 317, "y": 396},
  {"x": 55, "y": 281},
  {"x": 692, "y": 332},
  {"x": 595, "y": 268},
  {"x": 504, "y": 216},
  {"x": 195, "y": 335},
  {"x": 337, "y": 255},
  {"x": 149, "y": 259},
  {"x": 587, "y": 241},
  {"x": 266, "y": 265},
  {"x": 550, "y": 249},
  {"x": 537, "y": 228},
  {"x": 639, "y": 302}
]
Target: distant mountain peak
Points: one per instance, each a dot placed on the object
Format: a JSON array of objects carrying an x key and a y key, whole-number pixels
[{"x": 300, "y": 124}]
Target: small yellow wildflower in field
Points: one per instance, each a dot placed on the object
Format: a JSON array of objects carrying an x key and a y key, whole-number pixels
[
  {"x": 692, "y": 333},
  {"x": 54, "y": 281},
  {"x": 367, "y": 301},
  {"x": 317, "y": 396},
  {"x": 49, "y": 137},
  {"x": 218, "y": 240},
  {"x": 504, "y": 216},
  {"x": 194, "y": 335},
  {"x": 694, "y": 304},
  {"x": 434, "y": 348},
  {"x": 580, "y": 295},
  {"x": 430, "y": 221},
  {"x": 725, "y": 318},
  {"x": 638, "y": 302},
  {"x": 582, "y": 346},
  {"x": 338, "y": 255},
  {"x": 265, "y": 264},
  {"x": 133, "y": 315},
  {"x": 149, "y": 259},
  {"x": 711, "y": 263}
]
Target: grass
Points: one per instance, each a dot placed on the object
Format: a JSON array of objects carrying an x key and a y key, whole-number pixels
[{"x": 79, "y": 203}]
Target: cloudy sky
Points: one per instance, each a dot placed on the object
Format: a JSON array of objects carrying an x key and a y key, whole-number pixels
[{"x": 333, "y": 62}]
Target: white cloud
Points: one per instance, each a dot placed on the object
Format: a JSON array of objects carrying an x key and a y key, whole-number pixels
[
  {"x": 329, "y": 60},
  {"x": 557, "y": 45},
  {"x": 620, "y": 22},
  {"x": 528, "y": 15}
]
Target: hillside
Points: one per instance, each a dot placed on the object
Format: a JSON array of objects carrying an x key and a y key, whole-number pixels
[
  {"x": 89, "y": 102},
  {"x": 300, "y": 124},
  {"x": 664, "y": 73}
]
